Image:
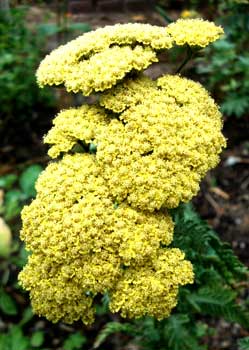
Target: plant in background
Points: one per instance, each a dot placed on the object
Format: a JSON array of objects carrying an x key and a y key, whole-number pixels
[
  {"x": 15, "y": 191},
  {"x": 21, "y": 47},
  {"x": 20, "y": 52},
  {"x": 109, "y": 205},
  {"x": 226, "y": 63},
  {"x": 215, "y": 292}
]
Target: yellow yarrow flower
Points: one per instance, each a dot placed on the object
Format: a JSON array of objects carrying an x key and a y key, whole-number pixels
[
  {"x": 99, "y": 222},
  {"x": 84, "y": 64},
  {"x": 127, "y": 93},
  {"x": 75, "y": 124},
  {"x": 167, "y": 138},
  {"x": 194, "y": 32},
  {"x": 53, "y": 295},
  {"x": 100, "y": 72},
  {"x": 80, "y": 239},
  {"x": 141, "y": 290},
  {"x": 166, "y": 141}
]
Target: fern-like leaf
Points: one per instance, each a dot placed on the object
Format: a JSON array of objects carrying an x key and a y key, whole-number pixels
[
  {"x": 112, "y": 328},
  {"x": 177, "y": 334}
]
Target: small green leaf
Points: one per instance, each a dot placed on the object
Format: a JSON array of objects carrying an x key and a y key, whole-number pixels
[
  {"x": 28, "y": 179},
  {"x": 7, "y": 181},
  {"x": 12, "y": 204},
  {"x": 201, "y": 329},
  {"x": 74, "y": 341},
  {"x": 7, "y": 304},
  {"x": 37, "y": 339}
]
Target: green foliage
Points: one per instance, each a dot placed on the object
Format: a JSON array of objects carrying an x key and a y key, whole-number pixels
[
  {"x": 74, "y": 341},
  {"x": 49, "y": 29},
  {"x": 214, "y": 292},
  {"x": 244, "y": 343},
  {"x": 14, "y": 340},
  {"x": 18, "y": 190},
  {"x": 226, "y": 62},
  {"x": 20, "y": 53},
  {"x": 7, "y": 304},
  {"x": 111, "y": 328},
  {"x": 8, "y": 181},
  {"x": 28, "y": 178}
]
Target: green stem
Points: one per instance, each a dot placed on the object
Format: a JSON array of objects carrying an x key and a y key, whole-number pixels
[{"x": 190, "y": 55}]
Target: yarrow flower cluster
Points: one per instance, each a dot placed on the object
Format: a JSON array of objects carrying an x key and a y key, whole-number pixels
[{"x": 100, "y": 222}]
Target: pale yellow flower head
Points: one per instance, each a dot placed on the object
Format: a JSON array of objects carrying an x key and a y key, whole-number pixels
[
  {"x": 80, "y": 240},
  {"x": 127, "y": 93},
  {"x": 99, "y": 223},
  {"x": 97, "y": 60},
  {"x": 194, "y": 32},
  {"x": 165, "y": 141},
  {"x": 100, "y": 59},
  {"x": 75, "y": 124},
  {"x": 54, "y": 295},
  {"x": 152, "y": 289}
]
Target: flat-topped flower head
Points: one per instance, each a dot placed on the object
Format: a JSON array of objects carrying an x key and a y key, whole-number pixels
[
  {"x": 99, "y": 59},
  {"x": 194, "y": 32}
]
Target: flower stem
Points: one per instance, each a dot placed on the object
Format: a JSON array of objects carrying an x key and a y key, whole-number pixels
[{"x": 189, "y": 55}]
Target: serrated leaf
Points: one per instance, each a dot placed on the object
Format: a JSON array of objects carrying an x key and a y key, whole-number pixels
[
  {"x": 28, "y": 179},
  {"x": 111, "y": 328},
  {"x": 235, "y": 105},
  {"x": 177, "y": 334}
]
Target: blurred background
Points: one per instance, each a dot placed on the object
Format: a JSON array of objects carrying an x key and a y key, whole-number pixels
[{"x": 31, "y": 29}]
